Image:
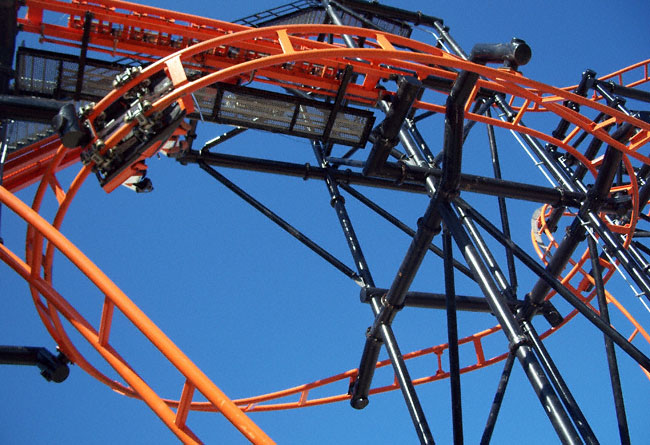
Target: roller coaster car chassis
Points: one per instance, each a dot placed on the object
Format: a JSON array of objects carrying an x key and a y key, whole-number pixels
[{"x": 124, "y": 163}]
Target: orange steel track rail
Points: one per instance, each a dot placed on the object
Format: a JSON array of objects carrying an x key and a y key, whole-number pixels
[{"x": 286, "y": 56}]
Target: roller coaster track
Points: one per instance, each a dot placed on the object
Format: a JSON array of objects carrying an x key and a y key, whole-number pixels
[{"x": 195, "y": 55}]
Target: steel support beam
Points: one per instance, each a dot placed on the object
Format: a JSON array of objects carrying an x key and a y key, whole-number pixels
[
  {"x": 283, "y": 224},
  {"x": 519, "y": 343},
  {"x": 394, "y": 177},
  {"x": 557, "y": 286},
  {"x": 452, "y": 340},
  {"x": 498, "y": 400},
  {"x": 619, "y": 404},
  {"x": 53, "y": 368}
]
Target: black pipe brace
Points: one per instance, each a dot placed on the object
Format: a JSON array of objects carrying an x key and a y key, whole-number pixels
[
  {"x": 576, "y": 232},
  {"x": 386, "y": 135},
  {"x": 446, "y": 189},
  {"x": 53, "y": 368},
  {"x": 513, "y": 54},
  {"x": 397, "y": 177},
  {"x": 434, "y": 301},
  {"x": 620, "y": 90}
]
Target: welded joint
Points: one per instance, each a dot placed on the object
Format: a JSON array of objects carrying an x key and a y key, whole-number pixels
[
  {"x": 384, "y": 317},
  {"x": 337, "y": 199},
  {"x": 528, "y": 308},
  {"x": 307, "y": 171},
  {"x": 371, "y": 334},
  {"x": 434, "y": 229},
  {"x": 517, "y": 342}
]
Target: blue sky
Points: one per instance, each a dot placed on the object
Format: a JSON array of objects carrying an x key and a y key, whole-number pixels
[{"x": 258, "y": 312}]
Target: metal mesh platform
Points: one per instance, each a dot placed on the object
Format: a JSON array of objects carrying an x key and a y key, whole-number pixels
[
  {"x": 282, "y": 113},
  {"x": 57, "y": 76},
  {"x": 311, "y": 11}
]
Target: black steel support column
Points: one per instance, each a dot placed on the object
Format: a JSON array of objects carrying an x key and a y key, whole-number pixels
[
  {"x": 557, "y": 286},
  {"x": 503, "y": 210},
  {"x": 493, "y": 266},
  {"x": 576, "y": 232},
  {"x": 8, "y": 30},
  {"x": 428, "y": 227},
  {"x": 498, "y": 400},
  {"x": 429, "y": 224},
  {"x": 337, "y": 21},
  {"x": 430, "y": 300},
  {"x": 387, "y": 132},
  {"x": 558, "y": 382},
  {"x": 612, "y": 363},
  {"x": 518, "y": 341},
  {"x": 614, "y": 247},
  {"x": 452, "y": 336},
  {"x": 384, "y": 313},
  {"x": 338, "y": 203},
  {"x": 338, "y": 101},
  {"x": 360, "y": 389},
  {"x": 572, "y": 184},
  {"x": 621, "y": 90},
  {"x": 4, "y": 147},
  {"x": 444, "y": 35}
]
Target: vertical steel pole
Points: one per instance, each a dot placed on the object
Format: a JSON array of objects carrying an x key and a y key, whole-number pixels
[
  {"x": 498, "y": 399},
  {"x": 385, "y": 331},
  {"x": 612, "y": 363},
  {"x": 519, "y": 343},
  {"x": 452, "y": 335},
  {"x": 361, "y": 387},
  {"x": 503, "y": 210}
]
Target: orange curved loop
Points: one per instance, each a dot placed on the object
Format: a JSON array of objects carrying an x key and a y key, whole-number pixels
[
  {"x": 288, "y": 55},
  {"x": 175, "y": 356}
]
